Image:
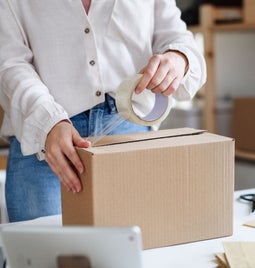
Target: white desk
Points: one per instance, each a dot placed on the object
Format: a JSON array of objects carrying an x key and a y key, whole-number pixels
[{"x": 198, "y": 254}]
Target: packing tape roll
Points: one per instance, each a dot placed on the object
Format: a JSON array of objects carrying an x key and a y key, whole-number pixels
[{"x": 159, "y": 112}]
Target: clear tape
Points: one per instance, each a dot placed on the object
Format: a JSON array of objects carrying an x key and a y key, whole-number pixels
[
  {"x": 124, "y": 94},
  {"x": 159, "y": 112},
  {"x": 117, "y": 120}
]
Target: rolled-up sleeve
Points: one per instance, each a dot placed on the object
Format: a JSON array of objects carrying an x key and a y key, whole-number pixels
[
  {"x": 26, "y": 100},
  {"x": 171, "y": 34}
]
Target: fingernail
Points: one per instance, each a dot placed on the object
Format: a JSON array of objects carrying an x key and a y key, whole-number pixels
[
  {"x": 78, "y": 189},
  {"x": 68, "y": 189},
  {"x": 80, "y": 169},
  {"x": 88, "y": 142},
  {"x": 137, "y": 91}
]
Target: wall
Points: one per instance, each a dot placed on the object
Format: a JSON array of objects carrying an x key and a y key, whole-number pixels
[{"x": 235, "y": 63}]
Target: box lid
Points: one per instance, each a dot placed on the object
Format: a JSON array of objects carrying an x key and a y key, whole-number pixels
[
  {"x": 142, "y": 136},
  {"x": 152, "y": 139}
]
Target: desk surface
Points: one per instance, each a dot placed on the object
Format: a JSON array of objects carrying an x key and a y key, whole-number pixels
[{"x": 198, "y": 254}]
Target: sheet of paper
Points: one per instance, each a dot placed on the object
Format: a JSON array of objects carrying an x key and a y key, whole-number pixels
[
  {"x": 250, "y": 224},
  {"x": 221, "y": 260},
  {"x": 240, "y": 254}
]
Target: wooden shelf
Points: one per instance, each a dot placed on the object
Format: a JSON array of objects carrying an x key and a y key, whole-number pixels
[
  {"x": 195, "y": 29},
  {"x": 233, "y": 27},
  {"x": 209, "y": 18},
  {"x": 245, "y": 155},
  {"x": 3, "y": 161},
  {"x": 224, "y": 27},
  {"x": 3, "y": 157}
]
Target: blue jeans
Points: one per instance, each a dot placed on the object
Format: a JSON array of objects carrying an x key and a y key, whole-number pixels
[{"x": 32, "y": 189}]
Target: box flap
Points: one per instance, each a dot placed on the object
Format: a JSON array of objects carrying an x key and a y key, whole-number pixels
[{"x": 142, "y": 136}]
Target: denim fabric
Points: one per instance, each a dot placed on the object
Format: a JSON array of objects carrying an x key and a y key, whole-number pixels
[{"x": 32, "y": 189}]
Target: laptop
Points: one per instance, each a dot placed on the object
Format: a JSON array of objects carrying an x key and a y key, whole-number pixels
[{"x": 62, "y": 247}]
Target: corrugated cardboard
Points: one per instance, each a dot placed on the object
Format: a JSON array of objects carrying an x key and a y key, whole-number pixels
[
  {"x": 177, "y": 185},
  {"x": 243, "y": 123}
]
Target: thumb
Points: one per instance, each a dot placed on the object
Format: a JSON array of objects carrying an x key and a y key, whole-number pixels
[{"x": 79, "y": 141}]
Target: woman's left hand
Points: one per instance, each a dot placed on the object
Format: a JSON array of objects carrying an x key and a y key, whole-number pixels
[{"x": 163, "y": 73}]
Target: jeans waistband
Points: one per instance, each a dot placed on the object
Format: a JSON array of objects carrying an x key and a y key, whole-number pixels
[{"x": 109, "y": 104}]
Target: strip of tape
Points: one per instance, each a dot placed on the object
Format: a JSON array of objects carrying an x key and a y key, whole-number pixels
[{"x": 159, "y": 112}]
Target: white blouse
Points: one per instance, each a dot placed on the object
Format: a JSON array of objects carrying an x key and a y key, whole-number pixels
[{"x": 56, "y": 61}]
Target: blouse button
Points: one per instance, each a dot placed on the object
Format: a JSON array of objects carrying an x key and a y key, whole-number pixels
[
  {"x": 92, "y": 62},
  {"x": 87, "y": 30},
  {"x": 98, "y": 93}
]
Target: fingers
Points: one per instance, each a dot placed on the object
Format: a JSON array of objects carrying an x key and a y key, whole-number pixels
[
  {"x": 71, "y": 152},
  {"x": 168, "y": 90},
  {"x": 168, "y": 85},
  {"x": 63, "y": 169},
  {"x": 79, "y": 141},
  {"x": 148, "y": 73},
  {"x": 62, "y": 157},
  {"x": 163, "y": 73}
]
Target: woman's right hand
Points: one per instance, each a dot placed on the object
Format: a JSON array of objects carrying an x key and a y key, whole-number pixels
[{"x": 61, "y": 156}]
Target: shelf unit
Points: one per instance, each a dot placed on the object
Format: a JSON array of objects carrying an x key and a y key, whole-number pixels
[
  {"x": 209, "y": 15},
  {"x": 246, "y": 155},
  {"x": 3, "y": 162}
]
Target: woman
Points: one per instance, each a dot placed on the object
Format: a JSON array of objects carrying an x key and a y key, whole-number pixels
[{"x": 60, "y": 65}]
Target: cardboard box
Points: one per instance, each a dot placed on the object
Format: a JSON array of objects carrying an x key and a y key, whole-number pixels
[
  {"x": 243, "y": 123},
  {"x": 176, "y": 185}
]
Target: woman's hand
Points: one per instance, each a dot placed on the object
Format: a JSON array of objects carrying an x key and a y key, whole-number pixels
[
  {"x": 163, "y": 73},
  {"x": 61, "y": 156}
]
